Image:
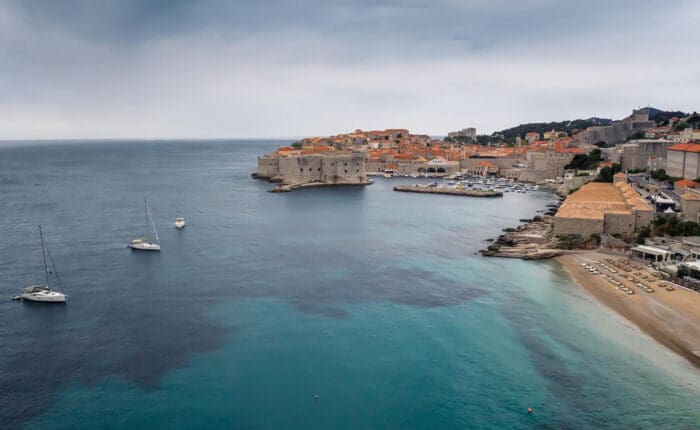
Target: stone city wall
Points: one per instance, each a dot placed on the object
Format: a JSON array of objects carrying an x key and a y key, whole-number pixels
[
  {"x": 342, "y": 168},
  {"x": 618, "y": 223},
  {"x": 583, "y": 226}
]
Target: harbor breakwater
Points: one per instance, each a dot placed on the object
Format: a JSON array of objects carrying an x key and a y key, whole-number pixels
[
  {"x": 448, "y": 191},
  {"x": 281, "y": 188}
]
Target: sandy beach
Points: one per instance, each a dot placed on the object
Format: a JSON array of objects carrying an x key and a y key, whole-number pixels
[{"x": 670, "y": 317}]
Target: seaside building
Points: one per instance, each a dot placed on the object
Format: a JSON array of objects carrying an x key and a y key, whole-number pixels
[
  {"x": 603, "y": 208},
  {"x": 680, "y": 187},
  {"x": 554, "y": 134},
  {"x": 651, "y": 253},
  {"x": 502, "y": 161},
  {"x": 690, "y": 205},
  {"x": 546, "y": 162},
  {"x": 467, "y": 133},
  {"x": 328, "y": 168},
  {"x": 683, "y": 160},
  {"x": 532, "y": 137},
  {"x": 636, "y": 154}
]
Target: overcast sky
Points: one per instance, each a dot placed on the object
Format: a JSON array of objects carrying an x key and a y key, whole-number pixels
[{"x": 217, "y": 69}]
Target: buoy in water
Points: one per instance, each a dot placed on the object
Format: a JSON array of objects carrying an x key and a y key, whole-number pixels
[
  {"x": 529, "y": 410},
  {"x": 316, "y": 396}
]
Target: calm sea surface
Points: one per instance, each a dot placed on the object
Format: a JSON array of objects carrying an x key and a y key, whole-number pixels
[{"x": 373, "y": 300}]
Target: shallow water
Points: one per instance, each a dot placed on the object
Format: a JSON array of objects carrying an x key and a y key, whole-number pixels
[{"x": 373, "y": 300}]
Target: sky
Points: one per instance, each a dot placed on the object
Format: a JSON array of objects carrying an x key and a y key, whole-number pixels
[{"x": 222, "y": 68}]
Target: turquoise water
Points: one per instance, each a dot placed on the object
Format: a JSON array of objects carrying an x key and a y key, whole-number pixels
[{"x": 373, "y": 300}]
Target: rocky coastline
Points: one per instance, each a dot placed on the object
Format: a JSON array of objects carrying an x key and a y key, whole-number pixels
[{"x": 531, "y": 240}]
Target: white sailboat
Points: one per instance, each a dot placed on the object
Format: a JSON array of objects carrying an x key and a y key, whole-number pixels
[
  {"x": 144, "y": 243},
  {"x": 179, "y": 220},
  {"x": 43, "y": 293}
]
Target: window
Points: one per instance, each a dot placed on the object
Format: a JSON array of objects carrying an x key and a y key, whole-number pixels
[{"x": 346, "y": 170}]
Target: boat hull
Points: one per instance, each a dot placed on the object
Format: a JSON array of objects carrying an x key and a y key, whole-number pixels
[
  {"x": 180, "y": 223},
  {"x": 144, "y": 246},
  {"x": 45, "y": 297}
]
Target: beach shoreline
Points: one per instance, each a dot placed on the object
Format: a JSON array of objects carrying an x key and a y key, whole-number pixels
[{"x": 670, "y": 317}]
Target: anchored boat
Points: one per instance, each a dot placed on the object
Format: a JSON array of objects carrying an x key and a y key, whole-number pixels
[
  {"x": 179, "y": 220},
  {"x": 44, "y": 293},
  {"x": 144, "y": 243}
]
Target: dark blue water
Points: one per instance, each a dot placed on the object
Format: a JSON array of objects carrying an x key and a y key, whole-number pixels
[{"x": 373, "y": 300}]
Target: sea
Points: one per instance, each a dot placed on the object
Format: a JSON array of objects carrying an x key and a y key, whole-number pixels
[{"x": 329, "y": 308}]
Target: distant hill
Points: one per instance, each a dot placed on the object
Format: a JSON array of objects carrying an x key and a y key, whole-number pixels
[
  {"x": 541, "y": 127},
  {"x": 661, "y": 116}
]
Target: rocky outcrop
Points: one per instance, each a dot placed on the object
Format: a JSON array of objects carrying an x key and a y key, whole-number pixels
[{"x": 530, "y": 241}]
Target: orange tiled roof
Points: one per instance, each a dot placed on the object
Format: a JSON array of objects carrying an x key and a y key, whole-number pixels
[
  {"x": 685, "y": 147},
  {"x": 687, "y": 183}
]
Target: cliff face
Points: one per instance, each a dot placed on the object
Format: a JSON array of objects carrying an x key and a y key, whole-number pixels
[{"x": 314, "y": 168}]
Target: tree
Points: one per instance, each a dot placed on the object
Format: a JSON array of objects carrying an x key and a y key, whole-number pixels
[
  {"x": 297, "y": 145},
  {"x": 659, "y": 175},
  {"x": 585, "y": 161},
  {"x": 606, "y": 174},
  {"x": 681, "y": 125},
  {"x": 637, "y": 135},
  {"x": 644, "y": 232}
]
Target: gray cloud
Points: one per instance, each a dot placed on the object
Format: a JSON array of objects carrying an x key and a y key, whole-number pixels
[{"x": 280, "y": 68}]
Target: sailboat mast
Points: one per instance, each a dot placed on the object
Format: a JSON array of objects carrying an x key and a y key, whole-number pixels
[
  {"x": 155, "y": 233},
  {"x": 53, "y": 266},
  {"x": 43, "y": 254},
  {"x": 149, "y": 222},
  {"x": 145, "y": 209},
  {"x": 179, "y": 210}
]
